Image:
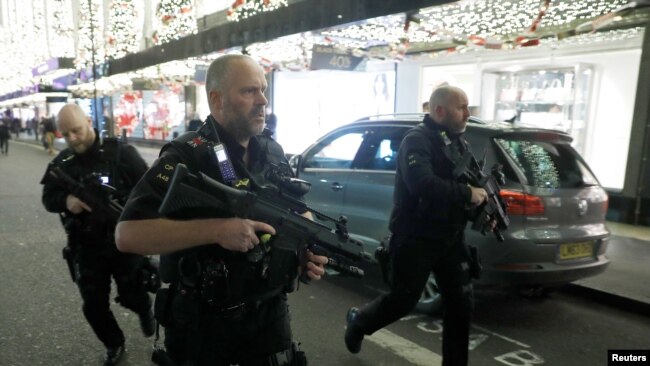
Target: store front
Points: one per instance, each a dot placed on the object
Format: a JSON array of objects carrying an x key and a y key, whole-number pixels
[
  {"x": 588, "y": 92},
  {"x": 308, "y": 104}
]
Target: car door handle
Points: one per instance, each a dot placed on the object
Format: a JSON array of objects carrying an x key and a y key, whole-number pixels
[{"x": 336, "y": 186}]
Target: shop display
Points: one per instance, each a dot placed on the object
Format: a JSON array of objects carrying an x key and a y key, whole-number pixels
[
  {"x": 553, "y": 98},
  {"x": 163, "y": 112},
  {"x": 128, "y": 110}
]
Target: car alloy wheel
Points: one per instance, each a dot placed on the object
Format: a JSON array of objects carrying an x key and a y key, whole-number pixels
[{"x": 430, "y": 301}]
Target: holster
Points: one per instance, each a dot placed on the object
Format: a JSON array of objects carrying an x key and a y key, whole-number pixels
[
  {"x": 382, "y": 256},
  {"x": 290, "y": 357},
  {"x": 68, "y": 255},
  {"x": 148, "y": 275}
]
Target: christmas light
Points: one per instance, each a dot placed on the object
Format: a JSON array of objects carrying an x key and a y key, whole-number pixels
[
  {"x": 176, "y": 19},
  {"x": 242, "y": 9},
  {"x": 61, "y": 34},
  {"x": 89, "y": 31},
  {"x": 123, "y": 35},
  {"x": 460, "y": 27}
]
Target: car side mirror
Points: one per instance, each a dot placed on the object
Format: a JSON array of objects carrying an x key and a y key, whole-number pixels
[{"x": 296, "y": 164}]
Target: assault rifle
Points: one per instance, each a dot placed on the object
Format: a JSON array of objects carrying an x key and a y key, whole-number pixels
[
  {"x": 494, "y": 208},
  {"x": 268, "y": 204},
  {"x": 103, "y": 204}
]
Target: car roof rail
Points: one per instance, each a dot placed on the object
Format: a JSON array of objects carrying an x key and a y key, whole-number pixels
[
  {"x": 476, "y": 120},
  {"x": 391, "y": 116}
]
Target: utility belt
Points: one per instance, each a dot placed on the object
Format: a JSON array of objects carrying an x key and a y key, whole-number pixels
[
  {"x": 211, "y": 288},
  {"x": 245, "y": 307},
  {"x": 179, "y": 307}
]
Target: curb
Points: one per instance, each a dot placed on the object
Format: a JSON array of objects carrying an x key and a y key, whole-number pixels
[{"x": 608, "y": 298}]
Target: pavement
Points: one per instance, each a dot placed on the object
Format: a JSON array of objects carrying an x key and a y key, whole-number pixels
[{"x": 624, "y": 281}]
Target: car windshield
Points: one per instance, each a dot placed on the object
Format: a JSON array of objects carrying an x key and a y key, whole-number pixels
[{"x": 545, "y": 164}]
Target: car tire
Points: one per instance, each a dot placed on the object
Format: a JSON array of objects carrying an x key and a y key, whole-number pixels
[{"x": 430, "y": 301}]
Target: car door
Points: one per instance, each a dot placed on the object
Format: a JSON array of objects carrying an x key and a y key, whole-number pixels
[
  {"x": 368, "y": 193},
  {"x": 327, "y": 165}
]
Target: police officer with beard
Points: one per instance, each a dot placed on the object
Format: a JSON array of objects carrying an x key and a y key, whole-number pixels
[
  {"x": 220, "y": 308},
  {"x": 94, "y": 256},
  {"x": 429, "y": 215}
]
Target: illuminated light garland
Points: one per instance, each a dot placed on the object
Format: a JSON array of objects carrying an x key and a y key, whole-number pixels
[
  {"x": 90, "y": 34},
  {"x": 13, "y": 75},
  {"x": 478, "y": 23},
  {"x": 472, "y": 25},
  {"x": 40, "y": 46},
  {"x": 61, "y": 40},
  {"x": 243, "y": 9},
  {"x": 176, "y": 19},
  {"x": 122, "y": 37}
]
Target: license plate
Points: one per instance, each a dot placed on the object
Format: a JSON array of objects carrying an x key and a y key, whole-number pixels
[{"x": 576, "y": 250}]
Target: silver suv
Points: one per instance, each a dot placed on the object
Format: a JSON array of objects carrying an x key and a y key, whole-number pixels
[{"x": 556, "y": 206}]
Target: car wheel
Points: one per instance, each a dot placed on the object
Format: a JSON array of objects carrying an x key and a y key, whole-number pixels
[{"x": 430, "y": 301}]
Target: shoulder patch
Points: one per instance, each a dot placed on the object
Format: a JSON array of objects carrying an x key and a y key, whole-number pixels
[
  {"x": 197, "y": 141},
  {"x": 161, "y": 172}
]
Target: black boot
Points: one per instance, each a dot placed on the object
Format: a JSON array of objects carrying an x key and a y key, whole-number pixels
[
  {"x": 353, "y": 335},
  {"x": 113, "y": 355}
]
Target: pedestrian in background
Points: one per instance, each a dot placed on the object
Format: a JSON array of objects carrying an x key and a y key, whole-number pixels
[
  {"x": 94, "y": 258},
  {"x": 194, "y": 123},
  {"x": 430, "y": 212},
  {"x": 5, "y": 135},
  {"x": 49, "y": 134},
  {"x": 271, "y": 122},
  {"x": 37, "y": 127},
  {"x": 16, "y": 126}
]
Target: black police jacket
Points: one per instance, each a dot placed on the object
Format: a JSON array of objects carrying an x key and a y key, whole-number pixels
[
  {"x": 428, "y": 201},
  {"x": 194, "y": 150},
  {"x": 116, "y": 164}
]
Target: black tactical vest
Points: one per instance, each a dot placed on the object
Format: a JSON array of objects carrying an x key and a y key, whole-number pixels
[{"x": 221, "y": 277}]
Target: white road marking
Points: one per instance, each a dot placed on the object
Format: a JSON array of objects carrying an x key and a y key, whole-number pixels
[
  {"x": 409, "y": 317},
  {"x": 475, "y": 340},
  {"x": 501, "y": 336},
  {"x": 418, "y": 355},
  {"x": 413, "y": 353}
]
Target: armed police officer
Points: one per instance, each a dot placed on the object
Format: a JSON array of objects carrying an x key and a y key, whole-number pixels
[
  {"x": 107, "y": 170},
  {"x": 430, "y": 212},
  {"x": 220, "y": 308}
]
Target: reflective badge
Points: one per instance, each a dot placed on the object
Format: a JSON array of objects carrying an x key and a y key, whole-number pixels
[
  {"x": 445, "y": 138},
  {"x": 225, "y": 165}
]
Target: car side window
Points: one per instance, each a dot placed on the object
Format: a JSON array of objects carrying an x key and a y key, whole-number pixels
[
  {"x": 546, "y": 164},
  {"x": 336, "y": 152},
  {"x": 379, "y": 149}
]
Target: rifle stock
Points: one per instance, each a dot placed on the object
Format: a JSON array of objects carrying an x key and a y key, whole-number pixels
[{"x": 294, "y": 232}]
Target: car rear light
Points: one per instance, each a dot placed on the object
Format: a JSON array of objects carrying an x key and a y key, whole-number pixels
[{"x": 520, "y": 203}]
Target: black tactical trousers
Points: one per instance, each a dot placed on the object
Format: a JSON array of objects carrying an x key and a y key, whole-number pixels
[
  {"x": 96, "y": 263},
  {"x": 247, "y": 339},
  {"x": 412, "y": 259}
]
